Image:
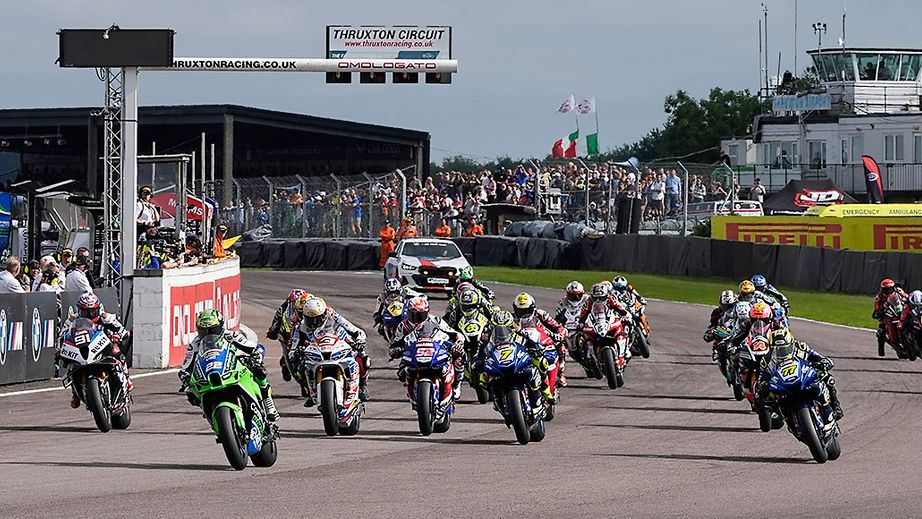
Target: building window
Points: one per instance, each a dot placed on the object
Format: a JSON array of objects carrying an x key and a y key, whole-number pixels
[
  {"x": 893, "y": 148},
  {"x": 867, "y": 66},
  {"x": 816, "y": 152},
  {"x": 844, "y": 148},
  {"x": 917, "y": 148},
  {"x": 857, "y": 147},
  {"x": 733, "y": 151}
]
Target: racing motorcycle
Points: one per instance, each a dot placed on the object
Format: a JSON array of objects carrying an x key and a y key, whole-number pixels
[
  {"x": 751, "y": 356},
  {"x": 429, "y": 377},
  {"x": 893, "y": 312},
  {"x": 570, "y": 320},
  {"x": 608, "y": 345},
  {"x": 792, "y": 390},
  {"x": 510, "y": 366},
  {"x": 725, "y": 360},
  {"x": 540, "y": 336},
  {"x": 289, "y": 321},
  {"x": 232, "y": 403},
  {"x": 912, "y": 333},
  {"x": 96, "y": 374},
  {"x": 471, "y": 326},
  {"x": 640, "y": 331},
  {"x": 331, "y": 371},
  {"x": 391, "y": 319}
]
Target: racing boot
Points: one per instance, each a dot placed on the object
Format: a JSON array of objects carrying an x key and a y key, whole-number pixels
[
  {"x": 364, "y": 364},
  {"x": 286, "y": 375},
  {"x": 271, "y": 412},
  {"x": 309, "y": 401},
  {"x": 561, "y": 377},
  {"x": 834, "y": 399},
  {"x": 363, "y": 389}
]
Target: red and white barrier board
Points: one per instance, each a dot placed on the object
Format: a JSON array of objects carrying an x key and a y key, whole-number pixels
[{"x": 165, "y": 304}]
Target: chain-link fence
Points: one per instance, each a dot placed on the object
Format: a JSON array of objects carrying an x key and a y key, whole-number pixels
[{"x": 332, "y": 206}]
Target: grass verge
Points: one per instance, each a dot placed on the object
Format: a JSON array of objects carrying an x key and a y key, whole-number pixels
[{"x": 827, "y": 307}]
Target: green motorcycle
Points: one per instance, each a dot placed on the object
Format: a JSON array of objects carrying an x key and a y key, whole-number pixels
[{"x": 230, "y": 398}]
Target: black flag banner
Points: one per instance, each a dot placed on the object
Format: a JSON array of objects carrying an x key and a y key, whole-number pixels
[{"x": 872, "y": 180}]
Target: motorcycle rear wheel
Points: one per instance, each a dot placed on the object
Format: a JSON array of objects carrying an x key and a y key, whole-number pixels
[
  {"x": 483, "y": 395},
  {"x": 550, "y": 412},
  {"x": 234, "y": 447},
  {"x": 834, "y": 449},
  {"x": 611, "y": 372},
  {"x": 123, "y": 419},
  {"x": 328, "y": 409},
  {"x": 880, "y": 347},
  {"x": 424, "y": 406},
  {"x": 643, "y": 345},
  {"x": 538, "y": 431},
  {"x": 517, "y": 416},
  {"x": 98, "y": 407},
  {"x": 266, "y": 456},
  {"x": 353, "y": 428},
  {"x": 811, "y": 436},
  {"x": 765, "y": 419},
  {"x": 737, "y": 392},
  {"x": 442, "y": 425}
]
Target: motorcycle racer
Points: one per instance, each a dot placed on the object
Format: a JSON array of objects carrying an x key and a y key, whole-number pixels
[
  {"x": 466, "y": 275},
  {"x": 503, "y": 328},
  {"x": 467, "y": 299},
  {"x": 211, "y": 322},
  {"x": 319, "y": 319},
  {"x": 417, "y": 313},
  {"x": 785, "y": 346},
  {"x": 889, "y": 326},
  {"x": 285, "y": 320},
  {"x": 723, "y": 314},
  {"x": 762, "y": 285},
  {"x": 568, "y": 312},
  {"x": 528, "y": 315},
  {"x": 89, "y": 307},
  {"x": 392, "y": 292}
]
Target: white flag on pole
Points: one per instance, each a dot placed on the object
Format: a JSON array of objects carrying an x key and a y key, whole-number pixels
[
  {"x": 586, "y": 106},
  {"x": 567, "y": 105}
]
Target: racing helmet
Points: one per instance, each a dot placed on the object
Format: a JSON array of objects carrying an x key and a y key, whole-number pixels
[
  {"x": 295, "y": 294},
  {"x": 524, "y": 306},
  {"x": 469, "y": 302},
  {"x": 503, "y": 326},
  {"x": 747, "y": 287},
  {"x": 887, "y": 286},
  {"x": 466, "y": 273},
  {"x": 575, "y": 291},
  {"x": 209, "y": 322},
  {"x": 314, "y": 312},
  {"x": 599, "y": 291},
  {"x": 88, "y": 306},
  {"x": 727, "y": 299},
  {"x": 915, "y": 298},
  {"x": 463, "y": 287},
  {"x": 417, "y": 310},
  {"x": 782, "y": 344},
  {"x": 391, "y": 285},
  {"x": 760, "y": 311},
  {"x": 302, "y": 299},
  {"x": 619, "y": 283},
  {"x": 759, "y": 282}
]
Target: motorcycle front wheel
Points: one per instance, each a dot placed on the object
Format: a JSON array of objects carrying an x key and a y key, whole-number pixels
[
  {"x": 234, "y": 446},
  {"x": 643, "y": 345},
  {"x": 94, "y": 400},
  {"x": 810, "y": 435},
  {"x": 424, "y": 406},
  {"x": 611, "y": 371},
  {"x": 517, "y": 416},
  {"x": 267, "y": 455},
  {"x": 328, "y": 407}
]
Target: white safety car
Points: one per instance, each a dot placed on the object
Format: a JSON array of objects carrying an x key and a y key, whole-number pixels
[{"x": 426, "y": 264}]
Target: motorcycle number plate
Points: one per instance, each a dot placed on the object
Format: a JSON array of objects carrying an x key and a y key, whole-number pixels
[
  {"x": 438, "y": 281},
  {"x": 99, "y": 344},
  {"x": 425, "y": 352}
]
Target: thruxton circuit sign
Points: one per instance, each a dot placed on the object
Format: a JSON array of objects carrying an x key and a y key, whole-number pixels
[
  {"x": 357, "y": 64},
  {"x": 388, "y": 42}
]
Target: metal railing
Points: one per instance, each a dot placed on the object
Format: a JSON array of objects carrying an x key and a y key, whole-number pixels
[{"x": 896, "y": 176}]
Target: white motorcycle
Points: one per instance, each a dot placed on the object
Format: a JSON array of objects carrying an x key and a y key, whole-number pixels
[
  {"x": 331, "y": 370},
  {"x": 96, "y": 374}
]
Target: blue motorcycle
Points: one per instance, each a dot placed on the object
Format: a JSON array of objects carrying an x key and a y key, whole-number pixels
[
  {"x": 793, "y": 389},
  {"x": 510, "y": 369},
  {"x": 427, "y": 361}
]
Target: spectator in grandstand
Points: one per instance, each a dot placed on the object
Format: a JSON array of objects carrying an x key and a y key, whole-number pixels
[
  {"x": 9, "y": 277},
  {"x": 146, "y": 214},
  {"x": 697, "y": 191},
  {"x": 49, "y": 281},
  {"x": 47, "y": 263},
  {"x": 66, "y": 261}
]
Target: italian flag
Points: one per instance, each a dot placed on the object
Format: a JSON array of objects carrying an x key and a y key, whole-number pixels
[{"x": 570, "y": 151}]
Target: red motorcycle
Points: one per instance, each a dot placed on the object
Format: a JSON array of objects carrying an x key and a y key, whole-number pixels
[
  {"x": 890, "y": 333},
  {"x": 607, "y": 343}
]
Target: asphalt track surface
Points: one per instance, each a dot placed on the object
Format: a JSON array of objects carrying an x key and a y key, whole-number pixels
[{"x": 671, "y": 443}]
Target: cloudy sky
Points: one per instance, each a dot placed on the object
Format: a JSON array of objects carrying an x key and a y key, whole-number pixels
[{"x": 518, "y": 59}]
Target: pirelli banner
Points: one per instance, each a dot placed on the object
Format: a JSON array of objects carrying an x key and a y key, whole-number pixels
[{"x": 878, "y": 234}]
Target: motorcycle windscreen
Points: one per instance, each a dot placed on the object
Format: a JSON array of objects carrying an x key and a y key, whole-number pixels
[
  {"x": 501, "y": 334},
  {"x": 212, "y": 354}
]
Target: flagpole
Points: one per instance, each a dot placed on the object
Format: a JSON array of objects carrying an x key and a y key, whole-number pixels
[
  {"x": 576, "y": 118},
  {"x": 595, "y": 109}
]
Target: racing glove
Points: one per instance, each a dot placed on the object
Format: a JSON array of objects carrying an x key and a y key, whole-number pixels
[{"x": 272, "y": 334}]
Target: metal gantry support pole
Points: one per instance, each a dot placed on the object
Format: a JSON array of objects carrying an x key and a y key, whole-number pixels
[
  {"x": 371, "y": 197},
  {"x": 337, "y": 218},
  {"x": 403, "y": 193},
  {"x": 112, "y": 173},
  {"x": 304, "y": 197},
  {"x": 587, "y": 189},
  {"x": 685, "y": 200}
]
